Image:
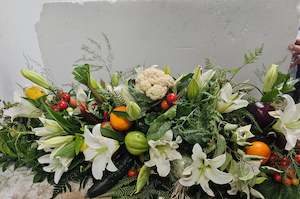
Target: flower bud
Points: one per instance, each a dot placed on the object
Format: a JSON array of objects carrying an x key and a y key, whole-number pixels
[
  {"x": 197, "y": 73},
  {"x": 167, "y": 70},
  {"x": 94, "y": 84},
  {"x": 193, "y": 89},
  {"x": 133, "y": 110},
  {"x": 270, "y": 78},
  {"x": 36, "y": 78},
  {"x": 55, "y": 142},
  {"x": 115, "y": 79}
]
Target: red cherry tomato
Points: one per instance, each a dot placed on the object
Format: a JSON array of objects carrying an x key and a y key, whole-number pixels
[
  {"x": 73, "y": 102},
  {"x": 66, "y": 97},
  {"x": 164, "y": 105},
  {"x": 277, "y": 177},
  {"x": 171, "y": 98},
  {"x": 287, "y": 181},
  {"x": 285, "y": 162},
  {"x": 132, "y": 173},
  {"x": 273, "y": 158},
  {"x": 62, "y": 105},
  {"x": 297, "y": 159},
  {"x": 55, "y": 108}
]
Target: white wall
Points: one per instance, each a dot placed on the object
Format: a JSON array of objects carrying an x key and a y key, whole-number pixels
[{"x": 18, "y": 38}]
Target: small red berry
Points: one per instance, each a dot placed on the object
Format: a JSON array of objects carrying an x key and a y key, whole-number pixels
[
  {"x": 55, "y": 108},
  {"x": 277, "y": 177},
  {"x": 105, "y": 116},
  {"x": 171, "y": 98},
  {"x": 62, "y": 105},
  {"x": 297, "y": 159},
  {"x": 66, "y": 97},
  {"x": 273, "y": 158},
  {"x": 285, "y": 162},
  {"x": 287, "y": 181},
  {"x": 73, "y": 102},
  {"x": 132, "y": 173},
  {"x": 164, "y": 105}
]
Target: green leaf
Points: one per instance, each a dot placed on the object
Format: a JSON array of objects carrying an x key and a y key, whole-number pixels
[
  {"x": 161, "y": 124},
  {"x": 142, "y": 179},
  {"x": 193, "y": 89},
  {"x": 121, "y": 114},
  {"x": 39, "y": 178},
  {"x": 78, "y": 142},
  {"x": 110, "y": 133},
  {"x": 221, "y": 145},
  {"x": 82, "y": 74},
  {"x": 68, "y": 126},
  {"x": 158, "y": 130}
]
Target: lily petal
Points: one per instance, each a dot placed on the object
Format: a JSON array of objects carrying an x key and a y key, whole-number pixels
[
  {"x": 99, "y": 166},
  {"x": 218, "y": 176}
]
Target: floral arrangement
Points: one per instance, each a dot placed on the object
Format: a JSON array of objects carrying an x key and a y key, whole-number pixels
[{"x": 149, "y": 134}]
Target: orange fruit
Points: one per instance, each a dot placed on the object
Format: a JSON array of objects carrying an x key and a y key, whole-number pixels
[
  {"x": 119, "y": 123},
  {"x": 260, "y": 149}
]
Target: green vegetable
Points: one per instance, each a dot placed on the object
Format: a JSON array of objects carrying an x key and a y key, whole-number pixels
[
  {"x": 123, "y": 161},
  {"x": 136, "y": 143},
  {"x": 142, "y": 179},
  {"x": 161, "y": 124}
]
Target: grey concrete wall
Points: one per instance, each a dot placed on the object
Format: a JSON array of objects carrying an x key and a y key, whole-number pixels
[{"x": 178, "y": 33}]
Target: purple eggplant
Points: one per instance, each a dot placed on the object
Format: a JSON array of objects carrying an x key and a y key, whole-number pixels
[{"x": 260, "y": 111}]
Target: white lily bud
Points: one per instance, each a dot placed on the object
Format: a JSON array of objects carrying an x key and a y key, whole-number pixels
[{"x": 270, "y": 78}]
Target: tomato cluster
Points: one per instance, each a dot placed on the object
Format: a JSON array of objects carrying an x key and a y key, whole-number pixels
[
  {"x": 288, "y": 177},
  {"x": 170, "y": 100}
]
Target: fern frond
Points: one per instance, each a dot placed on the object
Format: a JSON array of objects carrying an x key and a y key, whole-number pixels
[{"x": 251, "y": 57}]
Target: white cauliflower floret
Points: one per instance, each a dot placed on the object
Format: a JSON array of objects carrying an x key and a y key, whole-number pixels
[
  {"x": 154, "y": 83},
  {"x": 156, "y": 92}
]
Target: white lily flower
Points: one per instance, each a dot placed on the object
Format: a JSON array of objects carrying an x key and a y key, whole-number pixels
[
  {"x": 99, "y": 150},
  {"x": 206, "y": 77},
  {"x": 81, "y": 95},
  {"x": 162, "y": 152},
  {"x": 51, "y": 128},
  {"x": 202, "y": 170},
  {"x": 288, "y": 122},
  {"x": 23, "y": 108},
  {"x": 242, "y": 134},
  {"x": 229, "y": 101},
  {"x": 58, "y": 165},
  {"x": 54, "y": 142},
  {"x": 244, "y": 174}
]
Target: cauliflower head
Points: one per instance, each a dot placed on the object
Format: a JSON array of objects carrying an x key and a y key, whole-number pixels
[{"x": 154, "y": 83}]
